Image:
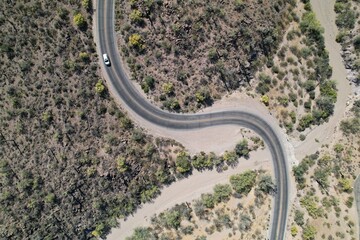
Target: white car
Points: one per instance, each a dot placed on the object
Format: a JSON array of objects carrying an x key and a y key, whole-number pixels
[{"x": 106, "y": 59}]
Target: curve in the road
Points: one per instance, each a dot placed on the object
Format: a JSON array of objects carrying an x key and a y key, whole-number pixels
[{"x": 123, "y": 89}]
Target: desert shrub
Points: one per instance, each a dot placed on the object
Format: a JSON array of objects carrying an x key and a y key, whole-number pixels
[
  {"x": 294, "y": 231},
  {"x": 264, "y": 84},
  {"x": 326, "y": 106},
  {"x": 299, "y": 218},
  {"x": 309, "y": 203},
  {"x": 242, "y": 149},
  {"x": 222, "y": 192},
  {"x": 201, "y": 161},
  {"x": 149, "y": 193},
  {"x": 305, "y": 122},
  {"x": 79, "y": 21},
  {"x": 171, "y": 104},
  {"x": 183, "y": 164},
  {"x": 136, "y": 41},
  {"x": 170, "y": 219},
  {"x": 357, "y": 43},
  {"x": 266, "y": 184},
  {"x": 230, "y": 157},
  {"x": 328, "y": 89},
  {"x": 168, "y": 88},
  {"x": 136, "y": 17},
  {"x": 301, "y": 169},
  {"x": 309, "y": 85},
  {"x": 142, "y": 233},
  {"x": 345, "y": 185},
  {"x": 208, "y": 200},
  {"x": 243, "y": 183},
  {"x": 321, "y": 175},
  {"x": 350, "y": 126},
  {"x": 309, "y": 232},
  {"x": 346, "y": 19},
  {"x": 149, "y": 81},
  {"x": 311, "y": 27},
  {"x": 245, "y": 222}
]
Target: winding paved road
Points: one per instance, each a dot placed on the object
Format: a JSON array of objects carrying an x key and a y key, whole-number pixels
[{"x": 123, "y": 90}]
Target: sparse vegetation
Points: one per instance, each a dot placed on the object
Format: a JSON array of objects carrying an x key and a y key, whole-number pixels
[
  {"x": 196, "y": 44},
  {"x": 67, "y": 151},
  {"x": 210, "y": 213}
]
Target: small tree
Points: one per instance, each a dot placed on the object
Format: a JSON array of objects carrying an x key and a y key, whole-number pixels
[
  {"x": 222, "y": 192},
  {"x": 135, "y": 41},
  {"x": 84, "y": 57},
  {"x": 168, "y": 88},
  {"x": 299, "y": 218},
  {"x": 208, "y": 200},
  {"x": 80, "y": 21},
  {"x": 183, "y": 162},
  {"x": 242, "y": 149},
  {"x": 309, "y": 232},
  {"x": 294, "y": 231},
  {"x": 136, "y": 17},
  {"x": 345, "y": 185},
  {"x": 243, "y": 183},
  {"x": 266, "y": 184},
  {"x": 142, "y": 233},
  {"x": 121, "y": 164},
  {"x": 99, "y": 87},
  {"x": 265, "y": 100},
  {"x": 86, "y": 4}
]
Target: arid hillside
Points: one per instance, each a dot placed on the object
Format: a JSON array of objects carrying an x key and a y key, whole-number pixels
[
  {"x": 186, "y": 54},
  {"x": 71, "y": 162}
]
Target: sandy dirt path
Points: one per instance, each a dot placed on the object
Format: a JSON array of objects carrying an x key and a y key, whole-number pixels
[
  {"x": 187, "y": 190},
  {"x": 324, "y": 10}
]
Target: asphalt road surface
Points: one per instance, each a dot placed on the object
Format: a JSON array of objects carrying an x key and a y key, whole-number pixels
[{"x": 124, "y": 90}]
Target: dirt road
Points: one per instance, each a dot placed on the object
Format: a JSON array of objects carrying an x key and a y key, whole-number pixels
[{"x": 324, "y": 10}]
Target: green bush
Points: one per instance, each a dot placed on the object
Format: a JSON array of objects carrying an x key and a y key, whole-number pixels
[
  {"x": 346, "y": 19},
  {"x": 309, "y": 85},
  {"x": 208, "y": 200},
  {"x": 305, "y": 122},
  {"x": 183, "y": 164},
  {"x": 328, "y": 89},
  {"x": 309, "y": 203},
  {"x": 357, "y": 43},
  {"x": 99, "y": 87},
  {"x": 141, "y": 233},
  {"x": 170, "y": 219},
  {"x": 222, "y": 192},
  {"x": 312, "y": 27},
  {"x": 309, "y": 232},
  {"x": 242, "y": 149},
  {"x": 202, "y": 161},
  {"x": 350, "y": 126},
  {"x": 243, "y": 183},
  {"x": 79, "y": 21},
  {"x": 299, "y": 218}
]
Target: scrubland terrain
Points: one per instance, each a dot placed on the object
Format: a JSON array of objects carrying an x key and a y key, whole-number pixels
[
  {"x": 186, "y": 54},
  {"x": 324, "y": 207},
  {"x": 276, "y": 56},
  {"x": 69, "y": 157},
  {"x": 348, "y": 23},
  {"x": 72, "y": 162},
  {"x": 239, "y": 210}
]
